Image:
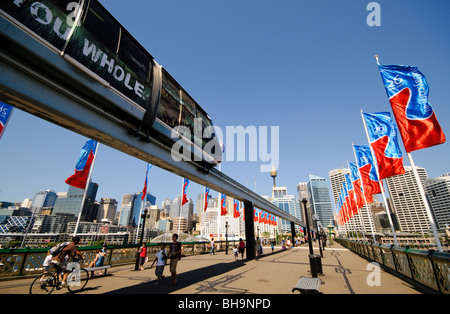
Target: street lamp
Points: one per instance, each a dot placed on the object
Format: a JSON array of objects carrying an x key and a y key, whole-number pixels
[
  {"x": 315, "y": 263},
  {"x": 141, "y": 240},
  {"x": 226, "y": 237}
]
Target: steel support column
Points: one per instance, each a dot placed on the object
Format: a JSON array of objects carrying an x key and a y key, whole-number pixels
[{"x": 249, "y": 231}]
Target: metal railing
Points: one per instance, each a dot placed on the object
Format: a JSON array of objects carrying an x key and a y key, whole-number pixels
[
  {"x": 429, "y": 269},
  {"x": 18, "y": 263}
]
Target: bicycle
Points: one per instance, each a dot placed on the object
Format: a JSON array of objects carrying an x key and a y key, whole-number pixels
[{"x": 47, "y": 283}]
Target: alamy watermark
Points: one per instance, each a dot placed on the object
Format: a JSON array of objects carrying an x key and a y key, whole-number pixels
[
  {"x": 237, "y": 143},
  {"x": 374, "y": 277},
  {"x": 374, "y": 17}
]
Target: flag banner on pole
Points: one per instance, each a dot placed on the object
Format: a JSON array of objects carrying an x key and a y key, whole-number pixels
[
  {"x": 367, "y": 169},
  {"x": 351, "y": 194},
  {"x": 5, "y": 114},
  {"x": 383, "y": 139},
  {"x": 144, "y": 191},
  {"x": 255, "y": 214},
  {"x": 223, "y": 205},
  {"x": 356, "y": 181},
  {"x": 185, "y": 185},
  {"x": 79, "y": 178},
  {"x": 236, "y": 213},
  {"x": 408, "y": 91},
  {"x": 206, "y": 199}
]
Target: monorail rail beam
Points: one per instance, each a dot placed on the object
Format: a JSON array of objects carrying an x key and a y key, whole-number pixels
[{"x": 35, "y": 79}]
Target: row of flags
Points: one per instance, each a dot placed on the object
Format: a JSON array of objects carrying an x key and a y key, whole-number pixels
[{"x": 408, "y": 93}]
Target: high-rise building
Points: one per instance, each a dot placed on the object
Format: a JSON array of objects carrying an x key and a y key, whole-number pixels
[
  {"x": 363, "y": 221},
  {"x": 130, "y": 211},
  {"x": 107, "y": 209},
  {"x": 408, "y": 203},
  {"x": 320, "y": 199},
  {"x": 438, "y": 195},
  {"x": 289, "y": 204},
  {"x": 42, "y": 199},
  {"x": 70, "y": 205}
]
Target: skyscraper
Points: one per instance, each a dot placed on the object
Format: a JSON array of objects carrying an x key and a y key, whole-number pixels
[
  {"x": 70, "y": 205},
  {"x": 438, "y": 195},
  {"x": 363, "y": 221},
  {"x": 288, "y": 203},
  {"x": 408, "y": 203},
  {"x": 320, "y": 199}
]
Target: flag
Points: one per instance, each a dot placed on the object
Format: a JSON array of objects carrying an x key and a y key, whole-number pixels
[
  {"x": 356, "y": 181},
  {"x": 79, "y": 178},
  {"x": 185, "y": 185},
  {"x": 383, "y": 139},
  {"x": 367, "y": 169},
  {"x": 223, "y": 205},
  {"x": 236, "y": 213},
  {"x": 5, "y": 114},
  {"x": 206, "y": 199},
  {"x": 351, "y": 194},
  {"x": 408, "y": 91},
  {"x": 144, "y": 191},
  {"x": 255, "y": 214}
]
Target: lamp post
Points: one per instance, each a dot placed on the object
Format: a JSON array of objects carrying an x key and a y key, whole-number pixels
[
  {"x": 316, "y": 222},
  {"x": 141, "y": 240},
  {"x": 315, "y": 263},
  {"x": 226, "y": 237}
]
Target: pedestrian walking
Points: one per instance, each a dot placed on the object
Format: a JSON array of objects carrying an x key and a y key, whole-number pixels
[
  {"x": 161, "y": 260},
  {"x": 212, "y": 245},
  {"x": 142, "y": 256},
  {"x": 175, "y": 257},
  {"x": 241, "y": 247}
]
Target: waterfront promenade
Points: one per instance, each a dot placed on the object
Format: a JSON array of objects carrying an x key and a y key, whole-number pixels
[{"x": 344, "y": 272}]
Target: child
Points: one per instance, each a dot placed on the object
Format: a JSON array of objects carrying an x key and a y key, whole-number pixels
[
  {"x": 160, "y": 259},
  {"x": 46, "y": 265},
  {"x": 235, "y": 250}
]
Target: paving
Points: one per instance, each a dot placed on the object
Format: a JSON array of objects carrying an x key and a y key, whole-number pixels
[{"x": 344, "y": 272}]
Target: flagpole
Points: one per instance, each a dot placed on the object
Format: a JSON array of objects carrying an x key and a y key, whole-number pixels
[
  {"x": 427, "y": 206},
  {"x": 365, "y": 200},
  {"x": 379, "y": 181},
  {"x": 356, "y": 203},
  {"x": 85, "y": 190},
  {"x": 181, "y": 202}
]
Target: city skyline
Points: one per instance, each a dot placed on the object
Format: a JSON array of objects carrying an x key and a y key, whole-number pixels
[{"x": 315, "y": 47}]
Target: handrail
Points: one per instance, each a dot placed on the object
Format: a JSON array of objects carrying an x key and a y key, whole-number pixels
[
  {"x": 17, "y": 263},
  {"x": 424, "y": 269}
]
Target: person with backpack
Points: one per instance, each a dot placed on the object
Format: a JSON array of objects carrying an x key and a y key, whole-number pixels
[{"x": 65, "y": 255}]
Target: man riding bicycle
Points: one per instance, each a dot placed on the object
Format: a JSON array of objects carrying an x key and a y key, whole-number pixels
[{"x": 66, "y": 256}]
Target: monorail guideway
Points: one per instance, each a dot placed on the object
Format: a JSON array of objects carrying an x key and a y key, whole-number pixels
[{"x": 37, "y": 77}]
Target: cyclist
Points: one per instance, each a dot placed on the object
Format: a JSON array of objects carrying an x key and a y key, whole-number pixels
[{"x": 67, "y": 255}]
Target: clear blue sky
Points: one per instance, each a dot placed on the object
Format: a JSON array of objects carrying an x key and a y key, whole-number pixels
[{"x": 305, "y": 66}]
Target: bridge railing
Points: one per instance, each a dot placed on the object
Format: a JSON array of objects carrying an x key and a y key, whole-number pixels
[
  {"x": 428, "y": 269},
  {"x": 16, "y": 263}
]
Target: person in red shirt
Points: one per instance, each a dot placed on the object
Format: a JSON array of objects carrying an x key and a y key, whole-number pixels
[{"x": 142, "y": 256}]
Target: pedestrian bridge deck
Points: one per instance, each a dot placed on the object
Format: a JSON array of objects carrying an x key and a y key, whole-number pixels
[{"x": 344, "y": 272}]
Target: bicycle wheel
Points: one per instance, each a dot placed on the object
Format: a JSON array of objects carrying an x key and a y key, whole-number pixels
[
  {"x": 43, "y": 284},
  {"x": 77, "y": 280}
]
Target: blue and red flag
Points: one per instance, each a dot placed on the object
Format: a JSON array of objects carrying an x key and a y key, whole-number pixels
[
  {"x": 185, "y": 185},
  {"x": 144, "y": 190},
  {"x": 383, "y": 139},
  {"x": 5, "y": 114},
  {"x": 83, "y": 165},
  {"x": 236, "y": 213},
  {"x": 367, "y": 169},
  {"x": 223, "y": 205},
  {"x": 206, "y": 199},
  {"x": 356, "y": 181},
  {"x": 408, "y": 91}
]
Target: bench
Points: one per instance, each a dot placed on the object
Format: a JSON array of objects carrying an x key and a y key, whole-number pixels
[
  {"x": 91, "y": 269},
  {"x": 308, "y": 285}
]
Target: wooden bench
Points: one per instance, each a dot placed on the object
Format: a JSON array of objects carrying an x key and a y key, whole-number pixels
[
  {"x": 308, "y": 285},
  {"x": 91, "y": 269}
]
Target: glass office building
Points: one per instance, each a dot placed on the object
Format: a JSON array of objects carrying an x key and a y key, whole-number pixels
[
  {"x": 289, "y": 204},
  {"x": 320, "y": 199}
]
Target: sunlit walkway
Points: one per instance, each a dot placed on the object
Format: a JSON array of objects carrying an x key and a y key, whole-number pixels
[{"x": 274, "y": 273}]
